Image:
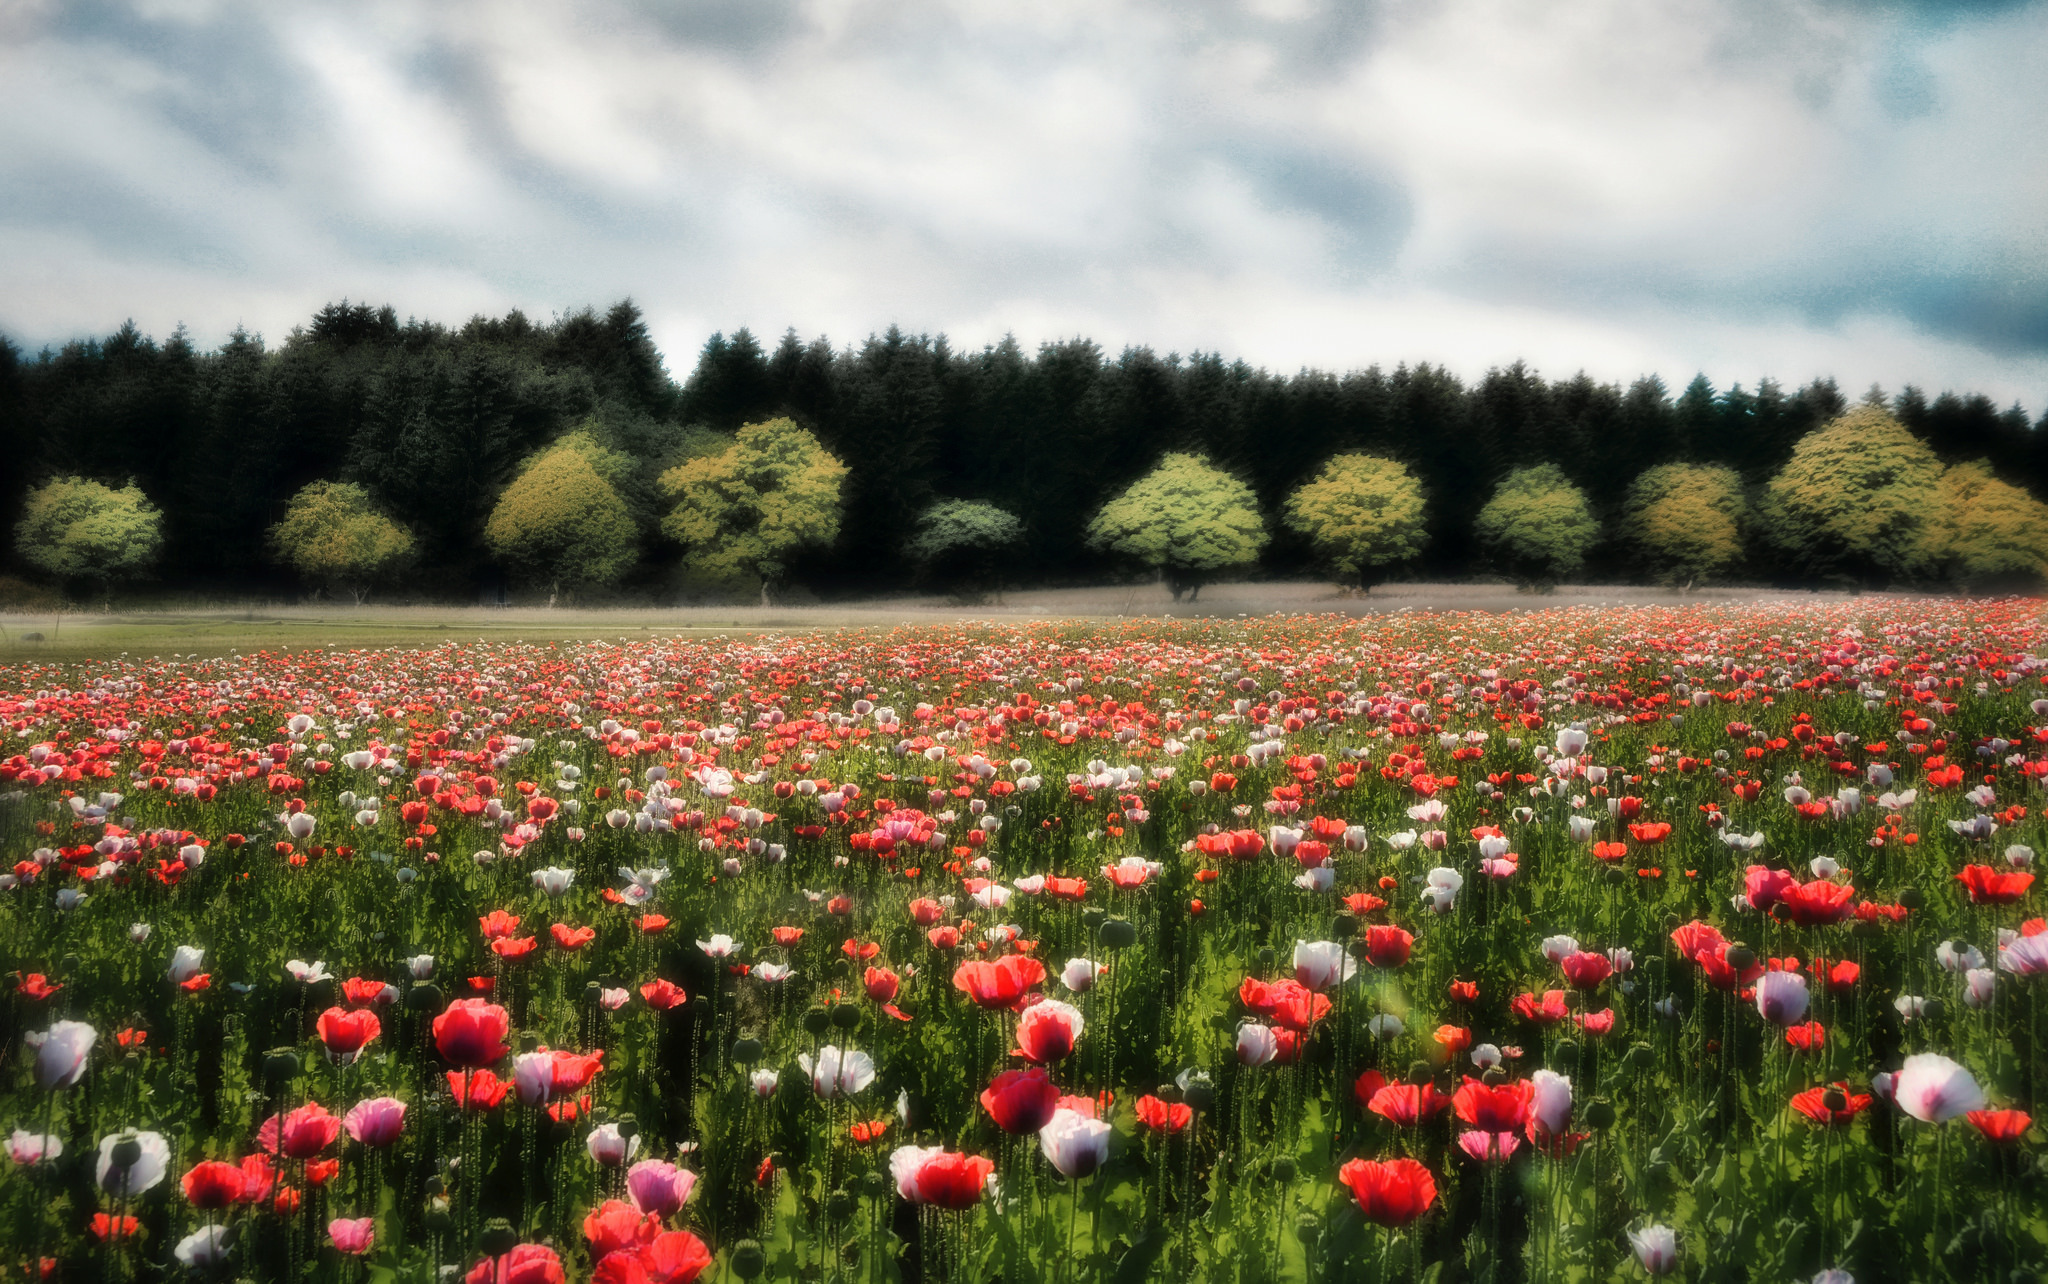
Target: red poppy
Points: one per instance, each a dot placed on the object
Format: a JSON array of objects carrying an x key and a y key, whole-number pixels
[
  {"x": 360, "y": 992},
  {"x": 1453, "y": 1039},
  {"x": 1393, "y": 1192},
  {"x": 1387, "y": 945},
  {"x": 471, "y": 1033},
  {"x": 1814, "y": 1104},
  {"x": 1408, "y": 1104},
  {"x": 1162, "y": 1116},
  {"x": 1806, "y": 1036},
  {"x": 1695, "y": 938},
  {"x": 1362, "y": 903},
  {"x": 1609, "y": 851},
  {"x": 616, "y": 1225},
  {"x": 868, "y": 1131},
  {"x": 108, "y": 1227},
  {"x": 1650, "y": 831},
  {"x": 1494, "y": 1108},
  {"x": 2000, "y": 1125},
  {"x": 787, "y": 937},
  {"x": 479, "y": 1090},
  {"x": 662, "y": 994},
  {"x": 1547, "y": 1008},
  {"x": 524, "y": 1264},
  {"x": 1585, "y": 970},
  {"x": 572, "y": 938},
  {"x": 213, "y": 1185},
  {"x": 302, "y": 1134},
  {"x": 1818, "y": 903},
  {"x": 1988, "y": 886},
  {"x": 652, "y": 923},
  {"x": 344, "y": 1032},
  {"x": 1021, "y": 1101},
  {"x": 1001, "y": 983},
  {"x": 37, "y": 986},
  {"x": 498, "y": 924},
  {"x": 943, "y": 1180}
]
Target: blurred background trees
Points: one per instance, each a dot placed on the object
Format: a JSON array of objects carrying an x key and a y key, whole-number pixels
[
  {"x": 1186, "y": 520},
  {"x": 1361, "y": 513},
  {"x": 1538, "y": 526},
  {"x": 88, "y": 536},
  {"x": 332, "y": 535},
  {"x": 434, "y": 423}
]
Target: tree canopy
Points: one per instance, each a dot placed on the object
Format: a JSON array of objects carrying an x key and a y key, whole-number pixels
[
  {"x": 963, "y": 539},
  {"x": 748, "y": 509},
  {"x": 333, "y": 534},
  {"x": 81, "y": 530},
  {"x": 1538, "y": 526},
  {"x": 1854, "y": 498},
  {"x": 1186, "y": 517},
  {"x": 1685, "y": 521},
  {"x": 1982, "y": 532},
  {"x": 1361, "y": 512},
  {"x": 560, "y": 523}
]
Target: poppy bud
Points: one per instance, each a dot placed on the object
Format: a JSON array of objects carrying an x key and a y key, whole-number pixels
[
  {"x": 529, "y": 1042},
  {"x": 1865, "y": 929},
  {"x": 874, "y": 1185},
  {"x": 748, "y": 1260},
  {"x": 1308, "y": 1230},
  {"x": 1265, "y": 957},
  {"x": 280, "y": 1064},
  {"x": 1935, "y": 1010},
  {"x": 846, "y": 1016},
  {"x": 816, "y": 1021},
  {"x": 1640, "y": 1058},
  {"x": 840, "y": 1204},
  {"x": 1168, "y": 1093},
  {"x": 593, "y": 992},
  {"x": 1343, "y": 925},
  {"x": 423, "y": 998},
  {"x": 126, "y": 1152},
  {"x": 1200, "y": 1096},
  {"x": 498, "y": 1238}
]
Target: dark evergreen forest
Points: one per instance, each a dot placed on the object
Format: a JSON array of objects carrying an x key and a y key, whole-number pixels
[{"x": 435, "y": 421}]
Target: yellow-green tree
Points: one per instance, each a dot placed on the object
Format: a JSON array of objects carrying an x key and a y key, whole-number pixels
[
  {"x": 748, "y": 509},
  {"x": 89, "y": 534},
  {"x": 332, "y": 534},
  {"x": 1685, "y": 521},
  {"x": 1538, "y": 526},
  {"x": 1186, "y": 518},
  {"x": 1854, "y": 498},
  {"x": 1984, "y": 532},
  {"x": 561, "y": 523},
  {"x": 1361, "y": 512}
]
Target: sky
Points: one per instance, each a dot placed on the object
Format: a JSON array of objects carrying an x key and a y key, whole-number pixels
[{"x": 1744, "y": 188}]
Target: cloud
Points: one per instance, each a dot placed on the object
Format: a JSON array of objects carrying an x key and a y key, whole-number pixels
[{"x": 1739, "y": 186}]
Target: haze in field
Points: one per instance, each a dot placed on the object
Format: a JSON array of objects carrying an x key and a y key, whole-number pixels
[{"x": 1727, "y": 186}]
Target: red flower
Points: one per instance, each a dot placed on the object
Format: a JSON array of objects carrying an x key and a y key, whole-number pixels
[
  {"x": 345, "y": 1032},
  {"x": 1047, "y": 1032},
  {"x": 881, "y": 984},
  {"x": 652, "y": 923},
  {"x": 868, "y": 1131},
  {"x": 2000, "y": 1125},
  {"x": 37, "y": 986},
  {"x": 498, "y": 924},
  {"x": 787, "y": 937},
  {"x": 1021, "y": 1101},
  {"x": 213, "y": 1185},
  {"x": 1806, "y": 1036},
  {"x": 1453, "y": 1039},
  {"x": 1000, "y": 984},
  {"x": 1502, "y": 1108},
  {"x": 1814, "y": 1105},
  {"x": 1818, "y": 903},
  {"x": 1408, "y": 1104},
  {"x": 514, "y": 947},
  {"x": 482, "y": 1090},
  {"x": 1363, "y": 903},
  {"x": 106, "y": 1227},
  {"x": 361, "y": 993},
  {"x": 1609, "y": 851},
  {"x": 1695, "y": 938},
  {"x": 1392, "y": 1193},
  {"x": 257, "y": 1178},
  {"x": 1547, "y": 1008},
  {"x": 1387, "y": 946},
  {"x": 616, "y": 1225},
  {"x": 471, "y": 1033},
  {"x": 572, "y": 938},
  {"x": 525, "y": 1264},
  {"x": 1368, "y": 1083},
  {"x": 674, "y": 1257},
  {"x": 1990, "y": 887},
  {"x": 662, "y": 994},
  {"x": 1650, "y": 831},
  {"x": 1161, "y": 1116},
  {"x": 1586, "y": 970},
  {"x": 1721, "y": 974},
  {"x": 942, "y": 1179},
  {"x": 302, "y": 1134},
  {"x": 859, "y": 952},
  {"x": 1595, "y": 1023},
  {"x": 1841, "y": 977},
  {"x": 1464, "y": 991},
  {"x": 1765, "y": 886}
]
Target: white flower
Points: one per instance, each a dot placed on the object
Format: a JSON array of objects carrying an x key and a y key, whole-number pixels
[
  {"x": 143, "y": 1166},
  {"x": 1550, "y": 1101},
  {"x": 1320, "y": 879},
  {"x": 608, "y": 1146},
  {"x": 1559, "y": 948},
  {"x": 1656, "y": 1248},
  {"x": 1402, "y": 841},
  {"x": 185, "y": 962},
  {"x": 1318, "y": 965},
  {"x": 1956, "y": 956},
  {"x": 300, "y": 825},
  {"x": 554, "y": 880},
  {"x": 62, "y": 1054},
  {"x": 1486, "y": 1056},
  {"x": 308, "y": 973},
  {"x": 763, "y": 1082},
  {"x": 1979, "y": 984},
  {"x": 1256, "y": 1044},
  {"x": 771, "y": 972},
  {"x": 26, "y": 1148},
  {"x": 1581, "y": 828},
  {"x": 1781, "y": 997},
  {"x": 1079, "y": 975},
  {"x": 1571, "y": 741},
  {"x": 1934, "y": 1089},
  {"x": 139, "y": 932},
  {"x": 1824, "y": 866},
  {"x": 206, "y": 1247},
  {"x": 836, "y": 1073},
  {"x": 421, "y": 966},
  {"x": 719, "y": 946},
  {"x": 1075, "y": 1144},
  {"x": 1386, "y": 1026},
  {"x": 1030, "y": 884},
  {"x": 1429, "y": 811}
]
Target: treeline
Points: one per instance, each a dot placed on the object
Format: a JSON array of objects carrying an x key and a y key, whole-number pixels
[{"x": 433, "y": 424}]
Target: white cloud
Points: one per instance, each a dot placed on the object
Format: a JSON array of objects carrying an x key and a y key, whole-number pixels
[{"x": 1724, "y": 185}]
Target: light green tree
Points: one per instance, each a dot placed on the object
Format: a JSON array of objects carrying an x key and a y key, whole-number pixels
[
  {"x": 963, "y": 540},
  {"x": 1186, "y": 518},
  {"x": 1361, "y": 512},
  {"x": 332, "y": 534},
  {"x": 1538, "y": 526},
  {"x": 88, "y": 534},
  {"x": 1983, "y": 532},
  {"x": 748, "y": 509},
  {"x": 1854, "y": 498},
  {"x": 1685, "y": 521},
  {"x": 561, "y": 523}
]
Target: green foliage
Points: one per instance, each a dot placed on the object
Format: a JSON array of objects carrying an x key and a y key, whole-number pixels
[
  {"x": 963, "y": 539},
  {"x": 1854, "y": 498},
  {"x": 332, "y": 534},
  {"x": 76, "y": 529},
  {"x": 1538, "y": 525},
  {"x": 1186, "y": 517},
  {"x": 1982, "y": 531},
  {"x": 562, "y": 522},
  {"x": 1361, "y": 512},
  {"x": 1685, "y": 521},
  {"x": 749, "y": 508}
]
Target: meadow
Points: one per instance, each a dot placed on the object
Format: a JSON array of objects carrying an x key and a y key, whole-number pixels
[{"x": 1697, "y": 941}]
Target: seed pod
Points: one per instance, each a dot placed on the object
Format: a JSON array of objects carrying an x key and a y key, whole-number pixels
[
  {"x": 746, "y": 1050},
  {"x": 498, "y": 1238},
  {"x": 1835, "y": 1099},
  {"x": 1284, "y": 1169},
  {"x": 280, "y": 1064},
  {"x": 1200, "y": 1096},
  {"x": 1419, "y": 1073},
  {"x": 748, "y": 1260},
  {"x": 1117, "y": 934},
  {"x": 1741, "y": 957},
  {"x": 1600, "y": 1115},
  {"x": 840, "y": 1204},
  {"x": 1494, "y": 1077},
  {"x": 816, "y": 1021},
  {"x": 1935, "y": 1010},
  {"x": 423, "y": 998},
  {"x": 1565, "y": 1055},
  {"x": 1912, "y": 898},
  {"x": 1343, "y": 925},
  {"x": 845, "y": 1016},
  {"x": 1308, "y": 1230},
  {"x": 1265, "y": 957}
]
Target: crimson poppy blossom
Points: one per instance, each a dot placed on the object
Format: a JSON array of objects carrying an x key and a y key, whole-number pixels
[{"x": 1390, "y": 1193}]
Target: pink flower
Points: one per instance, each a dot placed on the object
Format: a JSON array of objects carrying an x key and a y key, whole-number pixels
[
  {"x": 376, "y": 1122},
  {"x": 353, "y": 1235},
  {"x": 658, "y": 1188},
  {"x": 1488, "y": 1147}
]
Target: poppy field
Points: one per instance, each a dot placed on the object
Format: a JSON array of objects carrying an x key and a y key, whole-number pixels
[{"x": 1565, "y": 945}]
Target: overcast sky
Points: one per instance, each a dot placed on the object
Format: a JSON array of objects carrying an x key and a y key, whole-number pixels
[{"x": 1744, "y": 187}]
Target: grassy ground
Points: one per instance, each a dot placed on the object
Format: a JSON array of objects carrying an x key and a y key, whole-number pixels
[{"x": 214, "y": 631}]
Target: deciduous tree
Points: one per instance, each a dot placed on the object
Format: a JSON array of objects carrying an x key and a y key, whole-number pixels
[
  {"x": 1187, "y": 518},
  {"x": 964, "y": 539},
  {"x": 1983, "y": 532},
  {"x": 87, "y": 533},
  {"x": 561, "y": 523},
  {"x": 1361, "y": 512},
  {"x": 748, "y": 509},
  {"x": 1685, "y": 521},
  {"x": 332, "y": 534},
  {"x": 1854, "y": 498},
  {"x": 1538, "y": 526}
]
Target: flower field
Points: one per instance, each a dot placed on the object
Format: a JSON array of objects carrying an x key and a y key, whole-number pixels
[{"x": 1564, "y": 945}]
